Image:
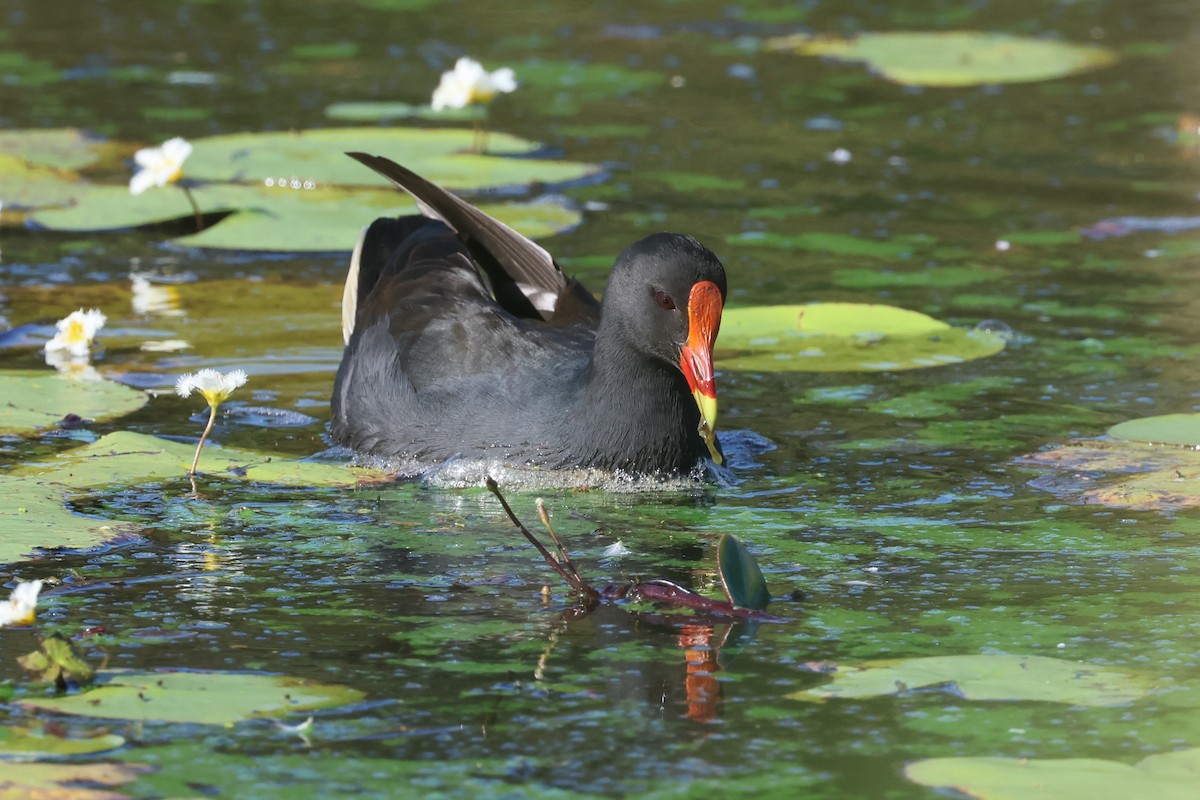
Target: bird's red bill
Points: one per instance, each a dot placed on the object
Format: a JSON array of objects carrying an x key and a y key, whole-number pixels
[{"x": 704, "y": 320}]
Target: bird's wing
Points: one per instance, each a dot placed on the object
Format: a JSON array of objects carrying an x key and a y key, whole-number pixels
[{"x": 523, "y": 276}]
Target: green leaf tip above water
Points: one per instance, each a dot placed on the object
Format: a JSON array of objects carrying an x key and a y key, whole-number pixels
[
  {"x": 288, "y": 192},
  {"x": 740, "y": 575},
  {"x": 954, "y": 58},
  {"x": 1167, "y": 776},
  {"x": 986, "y": 677},
  {"x": 843, "y": 337},
  {"x": 35, "y": 400},
  {"x": 58, "y": 661},
  {"x": 209, "y": 698}
]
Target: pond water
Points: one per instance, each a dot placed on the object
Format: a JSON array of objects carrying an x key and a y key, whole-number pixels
[{"x": 894, "y": 513}]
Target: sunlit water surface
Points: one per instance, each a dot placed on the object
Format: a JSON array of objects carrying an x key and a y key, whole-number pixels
[{"x": 885, "y": 508}]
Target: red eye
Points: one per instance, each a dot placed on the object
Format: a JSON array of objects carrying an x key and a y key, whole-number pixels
[{"x": 665, "y": 301}]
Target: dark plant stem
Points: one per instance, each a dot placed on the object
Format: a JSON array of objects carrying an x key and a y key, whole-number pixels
[
  {"x": 187, "y": 190},
  {"x": 212, "y": 417},
  {"x": 572, "y": 578}
]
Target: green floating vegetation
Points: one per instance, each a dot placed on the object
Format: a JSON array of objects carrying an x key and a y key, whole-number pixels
[
  {"x": 60, "y": 148},
  {"x": 26, "y": 743},
  {"x": 943, "y": 277},
  {"x": 953, "y": 58},
  {"x": 378, "y": 111},
  {"x": 561, "y": 88},
  {"x": 1147, "y": 474},
  {"x": 35, "y": 400},
  {"x": 1176, "y": 429},
  {"x": 843, "y": 337},
  {"x": 1168, "y": 776},
  {"x": 36, "y": 513},
  {"x": 280, "y": 192},
  {"x": 207, "y": 698},
  {"x": 67, "y": 781},
  {"x": 986, "y": 677},
  {"x": 839, "y": 243}
]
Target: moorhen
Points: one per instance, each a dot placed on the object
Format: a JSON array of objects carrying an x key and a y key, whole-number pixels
[{"x": 464, "y": 338}]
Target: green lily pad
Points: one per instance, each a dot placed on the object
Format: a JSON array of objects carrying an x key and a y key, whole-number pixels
[
  {"x": 66, "y": 781},
  {"x": 60, "y": 148},
  {"x": 1177, "y": 429},
  {"x": 276, "y": 218},
  {"x": 35, "y": 513},
  {"x": 35, "y": 400},
  {"x": 24, "y": 186},
  {"x": 31, "y": 743},
  {"x": 442, "y": 155},
  {"x": 1166, "y": 478},
  {"x": 207, "y": 698},
  {"x": 954, "y": 58},
  {"x": 985, "y": 677},
  {"x": 843, "y": 337},
  {"x": 1168, "y": 776},
  {"x": 124, "y": 458},
  {"x": 297, "y": 192},
  {"x": 741, "y": 578},
  {"x": 367, "y": 111}
]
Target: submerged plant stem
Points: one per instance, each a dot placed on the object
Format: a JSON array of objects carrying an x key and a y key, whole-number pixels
[{"x": 212, "y": 417}]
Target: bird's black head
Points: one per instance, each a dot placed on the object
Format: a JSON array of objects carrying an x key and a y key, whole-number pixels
[{"x": 664, "y": 299}]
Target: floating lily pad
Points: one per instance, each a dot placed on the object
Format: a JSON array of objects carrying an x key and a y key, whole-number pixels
[
  {"x": 31, "y": 743},
  {"x": 209, "y": 698},
  {"x": 66, "y": 781},
  {"x": 366, "y": 111},
  {"x": 296, "y": 192},
  {"x": 60, "y": 148},
  {"x": 36, "y": 514},
  {"x": 36, "y": 400},
  {"x": 1177, "y": 429},
  {"x": 954, "y": 58},
  {"x": 741, "y": 578},
  {"x": 24, "y": 186},
  {"x": 985, "y": 677},
  {"x": 1168, "y": 776},
  {"x": 276, "y": 218},
  {"x": 1168, "y": 477},
  {"x": 124, "y": 458},
  {"x": 843, "y": 337}
]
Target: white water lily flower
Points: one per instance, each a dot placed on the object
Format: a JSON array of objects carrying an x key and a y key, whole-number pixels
[
  {"x": 21, "y": 606},
  {"x": 76, "y": 332},
  {"x": 212, "y": 384},
  {"x": 215, "y": 387},
  {"x": 470, "y": 83},
  {"x": 158, "y": 166}
]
